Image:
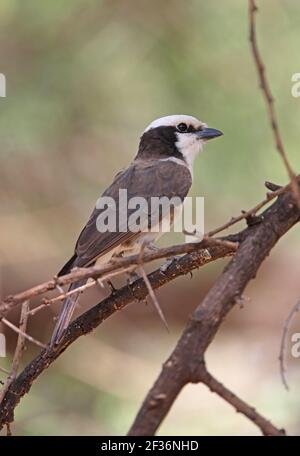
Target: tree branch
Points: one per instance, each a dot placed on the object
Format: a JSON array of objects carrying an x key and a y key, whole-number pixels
[
  {"x": 96, "y": 272},
  {"x": 240, "y": 406},
  {"x": 265, "y": 87},
  {"x": 96, "y": 315},
  {"x": 185, "y": 364},
  {"x": 138, "y": 291},
  {"x": 19, "y": 350}
]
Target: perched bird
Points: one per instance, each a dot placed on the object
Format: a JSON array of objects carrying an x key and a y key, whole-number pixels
[{"x": 162, "y": 167}]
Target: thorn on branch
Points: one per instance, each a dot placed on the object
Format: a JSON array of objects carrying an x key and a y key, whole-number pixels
[{"x": 271, "y": 186}]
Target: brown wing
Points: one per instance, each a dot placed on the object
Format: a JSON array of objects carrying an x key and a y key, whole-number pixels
[{"x": 143, "y": 179}]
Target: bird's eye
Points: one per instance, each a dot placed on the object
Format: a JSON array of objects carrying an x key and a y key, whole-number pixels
[{"x": 182, "y": 127}]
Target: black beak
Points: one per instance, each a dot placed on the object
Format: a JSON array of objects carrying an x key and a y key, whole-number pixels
[{"x": 209, "y": 133}]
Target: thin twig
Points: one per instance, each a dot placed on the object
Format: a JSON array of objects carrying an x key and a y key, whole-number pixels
[
  {"x": 244, "y": 215},
  {"x": 82, "y": 288},
  {"x": 282, "y": 354},
  {"x": 5, "y": 371},
  {"x": 149, "y": 287},
  {"x": 45, "y": 303},
  {"x": 265, "y": 87},
  {"x": 106, "y": 308},
  {"x": 96, "y": 272},
  {"x": 61, "y": 297},
  {"x": 24, "y": 334},
  {"x": 19, "y": 350},
  {"x": 154, "y": 298},
  {"x": 266, "y": 427}
]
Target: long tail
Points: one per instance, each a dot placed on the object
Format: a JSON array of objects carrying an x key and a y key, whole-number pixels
[{"x": 66, "y": 313}]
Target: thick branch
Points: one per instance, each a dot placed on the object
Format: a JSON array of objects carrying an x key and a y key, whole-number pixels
[
  {"x": 186, "y": 362},
  {"x": 95, "y": 316},
  {"x": 119, "y": 299}
]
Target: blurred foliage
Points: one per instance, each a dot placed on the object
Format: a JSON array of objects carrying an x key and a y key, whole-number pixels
[{"x": 84, "y": 78}]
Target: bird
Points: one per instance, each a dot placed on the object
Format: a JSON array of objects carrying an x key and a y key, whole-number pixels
[{"x": 162, "y": 167}]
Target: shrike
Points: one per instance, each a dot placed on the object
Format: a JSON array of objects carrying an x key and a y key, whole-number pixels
[{"x": 162, "y": 167}]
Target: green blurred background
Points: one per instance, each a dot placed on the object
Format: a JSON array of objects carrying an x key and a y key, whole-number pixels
[{"x": 84, "y": 78}]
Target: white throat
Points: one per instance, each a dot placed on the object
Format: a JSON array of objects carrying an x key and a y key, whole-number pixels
[{"x": 189, "y": 146}]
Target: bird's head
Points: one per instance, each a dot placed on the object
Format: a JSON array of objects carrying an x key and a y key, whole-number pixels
[{"x": 178, "y": 136}]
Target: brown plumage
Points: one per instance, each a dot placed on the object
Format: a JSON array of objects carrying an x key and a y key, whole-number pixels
[{"x": 161, "y": 168}]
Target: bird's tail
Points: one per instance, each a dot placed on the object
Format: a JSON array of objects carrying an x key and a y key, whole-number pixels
[{"x": 66, "y": 313}]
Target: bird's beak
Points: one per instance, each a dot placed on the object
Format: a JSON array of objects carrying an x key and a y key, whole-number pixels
[{"x": 208, "y": 133}]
